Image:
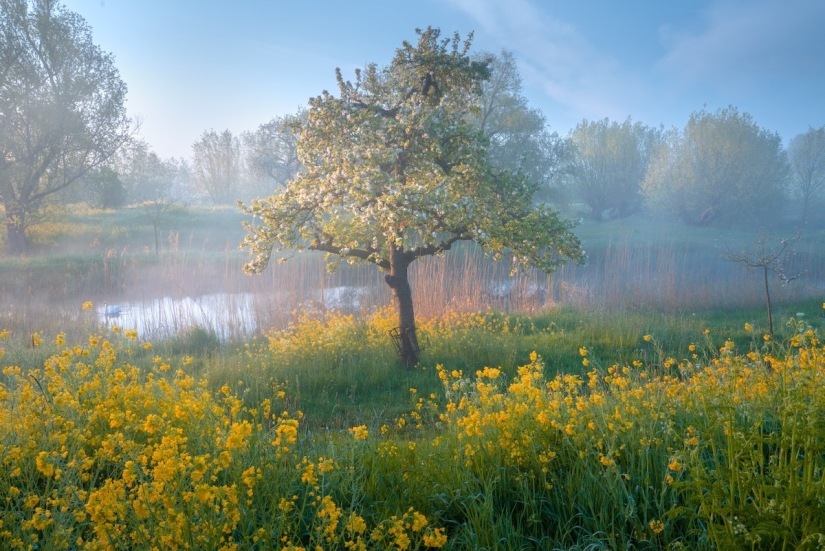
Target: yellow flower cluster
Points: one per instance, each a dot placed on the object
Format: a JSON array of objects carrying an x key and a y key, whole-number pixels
[{"x": 96, "y": 453}]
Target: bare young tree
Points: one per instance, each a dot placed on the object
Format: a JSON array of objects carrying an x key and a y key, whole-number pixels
[
  {"x": 156, "y": 211},
  {"x": 767, "y": 256}
]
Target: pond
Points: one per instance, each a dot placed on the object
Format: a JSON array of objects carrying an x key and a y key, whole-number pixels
[{"x": 229, "y": 315}]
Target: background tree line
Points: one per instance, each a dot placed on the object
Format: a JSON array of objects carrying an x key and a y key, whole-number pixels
[
  {"x": 722, "y": 168},
  {"x": 65, "y": 137}
]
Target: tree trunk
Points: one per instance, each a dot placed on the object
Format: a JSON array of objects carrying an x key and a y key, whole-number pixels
[
  {"x": 768, "y": 298},
  {"x": 16, "y": 231},
  {"x": 399, "y": 282}
]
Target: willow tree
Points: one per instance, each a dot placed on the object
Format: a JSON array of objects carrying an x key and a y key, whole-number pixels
[
  {"x": 721, "y": 166},
  {"x": 396, "y": 169},
  {"x": 610, "y": 163}
]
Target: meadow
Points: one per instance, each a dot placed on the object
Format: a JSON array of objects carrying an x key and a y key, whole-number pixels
[{"x": 637, "y": 402}]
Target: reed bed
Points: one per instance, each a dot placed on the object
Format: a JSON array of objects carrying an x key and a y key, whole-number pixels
[
  {"x": 181, "y": 289},
  {"x": 637, "y": 265}
]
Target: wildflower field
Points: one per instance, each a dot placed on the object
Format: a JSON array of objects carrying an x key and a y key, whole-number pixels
[{"x": 111, "y": 443}]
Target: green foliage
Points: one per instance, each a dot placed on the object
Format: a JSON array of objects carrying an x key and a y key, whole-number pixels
[
  {"x": 197, "y": 341},
  {"x": 520, "y": 140},
  {"x": 101, "y": 188},
  {"x": 147, "y": 177},
  {"x": 272, "y": 154},
  {"x": 807, "y": 156},
  {"x": 721, "y": 167}
]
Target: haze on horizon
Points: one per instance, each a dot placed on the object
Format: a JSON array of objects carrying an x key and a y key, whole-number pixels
[{"x": 193, "y": 66}]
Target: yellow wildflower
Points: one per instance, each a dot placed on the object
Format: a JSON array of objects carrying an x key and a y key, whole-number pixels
[
  {"x": 436, "y": 539},
  {"x": 657, "y": 526},
  {"x": 360, "y": 432},
  {"x": 356, "y": 524},
  {"x": 419, "y": 521}
]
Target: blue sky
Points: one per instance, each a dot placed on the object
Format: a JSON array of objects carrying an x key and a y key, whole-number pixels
[{"x": 197, "y": 65}]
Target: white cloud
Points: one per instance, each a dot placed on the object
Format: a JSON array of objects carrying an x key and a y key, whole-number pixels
[
  {"x": 745, "y": 42},
  {"x": 558, "y": 59}
]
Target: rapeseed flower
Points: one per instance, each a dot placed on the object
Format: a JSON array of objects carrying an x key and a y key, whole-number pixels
[
  {"x": 360, "y": 432},
  {"x": 657, "y": 526}
]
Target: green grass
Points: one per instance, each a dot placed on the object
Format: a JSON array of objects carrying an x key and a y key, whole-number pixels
[
  {"x": 721, "y": 451},
  {"x": 357, "y": 379}
]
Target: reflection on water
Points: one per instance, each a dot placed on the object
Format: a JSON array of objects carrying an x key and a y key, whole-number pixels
[{"x": 229, "y": 315}]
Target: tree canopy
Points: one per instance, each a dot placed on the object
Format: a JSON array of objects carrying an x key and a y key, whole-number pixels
[
  {"x": 520, "y": 139},
  {"x": 396, "y": 169},
  {"x": 610, "y": 162},
  {"x": 217, "y": 166},
  {"x": 61, "y": 107},
  {"x": 271, "y": 153},
  {"x": 807, "y": 156},
  {"x": 722, "y": 166}
]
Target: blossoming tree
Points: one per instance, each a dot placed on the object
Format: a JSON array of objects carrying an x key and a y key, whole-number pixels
[{"x": 397, "y": 170}]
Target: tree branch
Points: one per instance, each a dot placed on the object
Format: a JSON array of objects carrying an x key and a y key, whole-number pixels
[
  {"x": 368, "y": 254},
  {"x": 429, "y": 250},
  {"x": 386, "y": 113}
]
